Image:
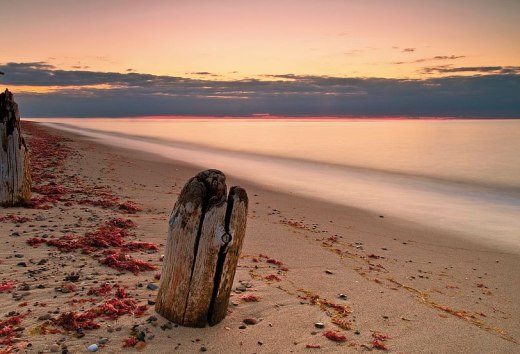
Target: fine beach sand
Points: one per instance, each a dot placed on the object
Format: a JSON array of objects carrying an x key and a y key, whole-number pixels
[{"x": 408, "y": 288}]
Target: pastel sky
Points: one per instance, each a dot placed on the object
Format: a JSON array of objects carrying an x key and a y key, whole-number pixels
[{"x": 235, "y": 41}]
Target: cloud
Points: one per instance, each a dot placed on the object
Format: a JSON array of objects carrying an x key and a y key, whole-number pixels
[
  {"x": 448, "y": 69},
  {"x": 448, "y": 57},
  {"x": 435, "y": 58},
  {"x": 408, "y": 50},
  {"x": 491, "y": 92}
]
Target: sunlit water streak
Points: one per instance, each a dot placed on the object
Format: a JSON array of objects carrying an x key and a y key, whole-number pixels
[{"x": 456, "y": 175}]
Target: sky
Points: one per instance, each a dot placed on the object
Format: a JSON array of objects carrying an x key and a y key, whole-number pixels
[{"x": 281, "y": 57}]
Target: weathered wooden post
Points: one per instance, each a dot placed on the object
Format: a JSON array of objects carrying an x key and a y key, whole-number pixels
[
  {"x": 205, "y": 235},
  {"x": 15, "y": 176}
]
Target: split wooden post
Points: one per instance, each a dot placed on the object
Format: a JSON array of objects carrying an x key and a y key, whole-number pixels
[
  {"x": 15, "y": 175},
  {"x": 205, "y": 236}
]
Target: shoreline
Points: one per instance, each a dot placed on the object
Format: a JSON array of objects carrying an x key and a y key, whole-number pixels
[
  {"x": 411, "y": 283},
  {"x": 413, "y": 187}
]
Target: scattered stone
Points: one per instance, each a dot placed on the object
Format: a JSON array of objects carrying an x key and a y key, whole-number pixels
[
  {"x": 24, "y": 287},
  {"x": 102, "y": 341},
  {"x": 72, "y": 277},
  {"x": 328, "y": 272},
  {"x": 152, "y": 286},
  {"x": 343, "y": 296},
  {"x": 151, "y": 319},
  {"x": 319, "y": 325},
  {"x": 151, "y": 302},
  {"x": 250, "y": 321},
  {"x": 55, "y": 348},
  {"x": 242, "y": 327},
  {"x": 203, "y": 349},
  {"x": 93, "y": 348},
  {"x": 45, "y": 317},
  {"x": 167, "y": 325}
]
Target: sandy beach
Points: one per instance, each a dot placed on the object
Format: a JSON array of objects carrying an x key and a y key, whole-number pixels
[{"x": 371, "y": 282}]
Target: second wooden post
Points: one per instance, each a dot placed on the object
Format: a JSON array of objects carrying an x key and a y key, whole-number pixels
[{"x": 205, "y": 236}]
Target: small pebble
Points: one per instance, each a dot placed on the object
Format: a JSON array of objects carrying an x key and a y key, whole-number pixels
[
  {"x": 319, "y": 325},
  {"x": 250, "y": 321},
  {"x": 152, "y": 286},
  {"x": 93, "y": 348},
  {"x": 55, "y": 348}
]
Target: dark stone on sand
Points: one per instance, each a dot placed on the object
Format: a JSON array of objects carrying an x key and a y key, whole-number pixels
[{"x": 250, "y": 321}]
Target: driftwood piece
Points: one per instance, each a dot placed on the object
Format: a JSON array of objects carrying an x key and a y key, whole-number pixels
[
  {"x": 205, "y": 235},
  {"x": 15, "y": 176}
]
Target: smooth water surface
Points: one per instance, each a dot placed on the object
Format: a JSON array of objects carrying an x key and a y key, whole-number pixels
[{"x": 462, "y": 175}]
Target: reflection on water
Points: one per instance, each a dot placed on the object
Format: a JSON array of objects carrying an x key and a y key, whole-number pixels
[
  {"x": 375, "y": 165},
  {"x": 471, "y": 150}
]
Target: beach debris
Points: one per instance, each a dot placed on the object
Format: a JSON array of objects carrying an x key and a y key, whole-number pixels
[
  {"x": 334, "y": 336},
  {"x": 103, "y": 290},
  {"x": 312, "y": 346},
  {"x": 197, "y": 285},
  {"x": 250, "y": 298},
  {"x": 17, "y": 219},
  {"x": 272, "y": 277},
  {"x": 122, "y": 261},
  {"x": 342, "y": 323},
  {"x": 378, "y": 339},
  {"x": 6, "y": 286}
]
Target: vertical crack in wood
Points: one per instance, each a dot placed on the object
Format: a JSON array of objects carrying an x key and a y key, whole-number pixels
[{"x": 221, "y": 254}]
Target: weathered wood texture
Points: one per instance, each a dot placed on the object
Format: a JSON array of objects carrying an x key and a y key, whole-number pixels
[
  {"x": 199, "y": 266},
  {"x": 15, "y": 176}
]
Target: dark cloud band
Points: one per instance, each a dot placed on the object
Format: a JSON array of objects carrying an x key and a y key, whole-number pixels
[{"x": 492, "y": 92}]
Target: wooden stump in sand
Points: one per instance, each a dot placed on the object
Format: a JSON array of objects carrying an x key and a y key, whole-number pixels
[
  {"x": 15, "y": 176},
  {"x": 206, "y": 232}
]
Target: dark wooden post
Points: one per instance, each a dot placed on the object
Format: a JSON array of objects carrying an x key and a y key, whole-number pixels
[
  {"x": 15, "y": 176},
  {"x": 205, "y": 236}
]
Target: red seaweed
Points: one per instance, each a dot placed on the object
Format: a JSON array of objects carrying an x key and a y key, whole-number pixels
[
  {"x": 122, "y": 261},
  {"x": 15, "y": 218},
  {"x": 6, "y": 286},
  {"x": 129, "y": 207},
  {"x": 122, "y": 223},
  {"x": 250, "y": 298},
  {"x": 334, "y": 336},
  {"x": 103, "y": 290},
  {"x": 130, "y": 342}
]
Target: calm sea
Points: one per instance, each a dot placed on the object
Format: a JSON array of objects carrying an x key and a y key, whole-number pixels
[{"x": 460, "y": 175}]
